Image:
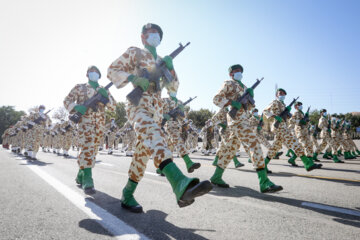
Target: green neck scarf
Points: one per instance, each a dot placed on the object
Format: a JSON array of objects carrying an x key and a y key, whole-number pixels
[
  {"x": 257, "y": 117},
  {"x": 152, "y": 50},
  {"x": 93, "y": 84},
  {"x": 240, "y": 83},
  {"x": 301, "y": 112}
]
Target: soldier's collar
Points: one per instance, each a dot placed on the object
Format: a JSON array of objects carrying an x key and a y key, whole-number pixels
[
  {"x": 93, "y": 84},
  {"x": 240, "y": 83},
  {"x": 257, "y": 117},
  {"x": 152, "y": 50}
]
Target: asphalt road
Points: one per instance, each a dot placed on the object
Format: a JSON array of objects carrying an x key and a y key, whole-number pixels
[{"x": 41, "y": 201}]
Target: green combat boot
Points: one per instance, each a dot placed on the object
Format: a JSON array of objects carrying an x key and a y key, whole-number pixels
[
  {"x": 292, "y": 161},
  {"x": 127, "y": 200},
  {"x": 216, "y": 179},
  {"x": 315, "y": 157},
  {"x": 309, "y": 164},
  {"x": 79, "y": 177},
  {"x": 237, "y": 163},
  {"x": 336, "y": 159},
  {"x": 358, "y": 152},
  {"x": 158, "y": 171},
  {"x": 278, "y": 154},
  {"x": 326, "y": 155},
  {"x": 87, "y": 181},
  {"x": 186, "y": 189},
  {"x": 190, "y": 165},
  {"x": 354, "y": 154},
  {"x": 289, "y": 153},
  {"x": 265, "y": 184},
  {"x": 340, "y": 153},
  {"x": 215, "y": 161},
  {"x": 267, "y": 160},
  {"x": 249, "y": 160},
  {"x": 347, "y": 155}
]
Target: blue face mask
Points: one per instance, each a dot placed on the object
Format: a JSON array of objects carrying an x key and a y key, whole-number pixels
[
  {"x": 93, "y": 76},
  {"x": 324, "y": 114},
  {"x": 300, "y": 107},
  {"x": 281, "y": 98},
  {"x": 41, "y": 110},
  {"x": 256, "y": 114},
  {"x": 238, "y": 76},
  {"x": 153, "y": 39}
]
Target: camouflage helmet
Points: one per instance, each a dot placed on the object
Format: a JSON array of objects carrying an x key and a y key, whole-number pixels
[
  {"x": 93, "y": 67},
  {"x": 234, "y": 67},
  {"x": 298, "y": 103},
  {"x": 152, "y": 26},
  {"x": 322, "y": 110},
  {"x": 254, "y": 110}
]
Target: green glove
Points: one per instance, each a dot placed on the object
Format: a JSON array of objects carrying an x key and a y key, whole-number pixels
[
  {"x": 250, "y": 91},
  {"x": 226, "y": 109},
  {"x": 289, "y": 109},
  {"x": 174, "y": 99},
  {"x": 302, "y": 122},
  {"x": 139, "y": 81},
  {"x": 329, "y": 130},
  {"x": 236, "y": 105},
  {"x": 80, "y": 108},
  {"x": 103, "y": 92},
  {"x": 278, "y": 118},
  {"x": 222, "y": 125},
  {"x": 168, "y": 62},
  {"x": 259, "y": 128},
  {"x": 166, "y": 116}
]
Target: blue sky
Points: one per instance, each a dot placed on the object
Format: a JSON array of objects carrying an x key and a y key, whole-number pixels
[{"x": 309, "y": 48}]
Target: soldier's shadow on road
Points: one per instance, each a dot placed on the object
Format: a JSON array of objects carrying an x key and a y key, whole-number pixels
[
  {"x": 36, "y": 163},
  {"x": 151, "y": 223},
  {"x": 288, "y": 174},
  {"x": 239, "y": 191}
]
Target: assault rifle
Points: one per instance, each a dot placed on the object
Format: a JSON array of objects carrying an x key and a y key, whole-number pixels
[
  {"x": 38, "y": 120},
  {"x": 285, "y": 114},
  {"x": 245, "y": 100},
  {"x": 154, "y": 77},
  {"x": 306, "y": 116},
  {"x": 92, "y": 103},
  {"x": 174, "y": 113}
]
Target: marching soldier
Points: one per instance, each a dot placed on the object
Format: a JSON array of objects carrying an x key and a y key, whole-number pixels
[
  {"x": 111, "y": 128},
  {"x": 91, "y": 124},
  {"x": 240, "y": 131},
  {"x": 283, "y": 134},
  {"x": 146, "y": 119}
]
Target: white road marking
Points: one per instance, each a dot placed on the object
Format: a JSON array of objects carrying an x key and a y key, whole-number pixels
[
  {"x": 151, "y": 173},
  {"x": 331, "y": 208},
  {"x": 111, "y": 223},
  {"x": 106, "y": 164}
]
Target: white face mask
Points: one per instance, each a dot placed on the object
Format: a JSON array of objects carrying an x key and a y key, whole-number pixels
[
  {"x": 281, "y": 98},
  {"x": 324, "y": 114},
  {"x": 300, "y": 107},
  {"x": 93, "y": 76},
  {"x": 153, "y": 39},
  {"x": 238, "y": 76},
  {"x": 256, "y": 114},
  {"x": 41, "y": 110}
]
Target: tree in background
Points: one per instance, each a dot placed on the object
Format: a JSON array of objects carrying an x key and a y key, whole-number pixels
[
  {"x": 199, "y": 117},
  {"x": 8, "y": 117},
  {"x": 61, "y": 113},
  {"x": 119, "y": 115}
]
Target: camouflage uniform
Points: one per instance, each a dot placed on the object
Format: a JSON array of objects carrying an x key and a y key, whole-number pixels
[
  {"x": 326, "y": 139},
  {"x": 302, "y": 132},
  {"x": 91, "y": 125},
  {"x": 111, "y": 129}
]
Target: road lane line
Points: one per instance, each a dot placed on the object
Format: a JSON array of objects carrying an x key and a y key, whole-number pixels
[
  {"x": 106, "y": 164},
  {"x": 151, "y": 173},
  {"x": 111, "y": 223},
  {"x": 332, "y": 209},
  {"x": 330, "y": 178}
]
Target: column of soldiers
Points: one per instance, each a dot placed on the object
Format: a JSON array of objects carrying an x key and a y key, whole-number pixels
[{"x": 152, "y": 132}]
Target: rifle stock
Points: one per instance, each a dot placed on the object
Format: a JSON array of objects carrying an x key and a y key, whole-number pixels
[
  {"x": 284, "y": 114},
  {"x": 174, "y": 113}
]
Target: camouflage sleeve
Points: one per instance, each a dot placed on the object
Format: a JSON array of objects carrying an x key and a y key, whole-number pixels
[
  {"x": 322, "y": 123},
  {"x": 111, "y": 105},
  {"x": 269, "y": 111},
  {"x": 220, "y": 98},
  {"x": 219, "y": 117},
  {"x": 123, "y": 67},
  {"x": 71, "y": 98},
  {"x": 296, "y": 117},
  {"x": 173, "y": 86},
  {"x": 253, "y": 122}
]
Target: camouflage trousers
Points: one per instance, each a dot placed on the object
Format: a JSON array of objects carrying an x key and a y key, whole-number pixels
[
  {"x": 284, "y": 136},
  {"x": 305, "y": 141},
  {"x": 173, "y": 129},
  {"x": 262, "y": 140},
  {"x": 90, "y": 131},
  {"x": 111, "y": 139},
  {"x": 314, "y": 142},
  {"x": 67, "y": 141},
  {"x": 240, "y": 132},
  {"x": 151, "y": 140},
  {"x": 326, "y": 140},
  {"x": 33, "y": 139}
]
